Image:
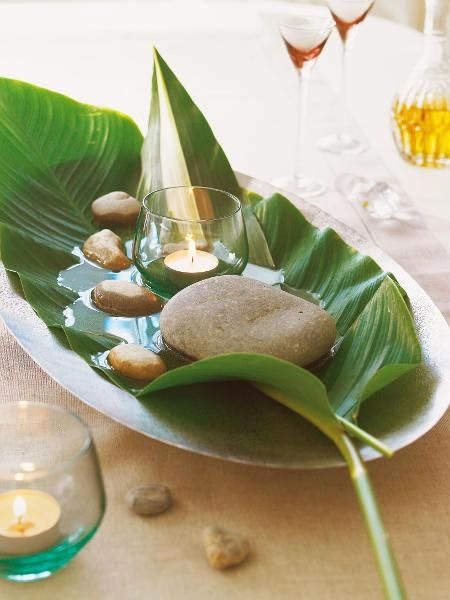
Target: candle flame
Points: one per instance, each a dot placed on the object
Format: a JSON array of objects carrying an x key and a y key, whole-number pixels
[
  {"x": 192, "y": 249},
  {"x": 19, "y": 508}
]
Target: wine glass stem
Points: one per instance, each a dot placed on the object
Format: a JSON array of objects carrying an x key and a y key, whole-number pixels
[
  {"x": 347, "y": 45},
  {"x": 303, "y": 89},
  {"x": 345, "y": 81}
]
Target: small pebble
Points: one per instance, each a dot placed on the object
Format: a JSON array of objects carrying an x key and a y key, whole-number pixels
[
  {"x": 132, "y": 360},
  {"x": 150, "y": 499},
  {"x": 224, "y": 548},
  {"x": 116, "y": 208},
  {"x": 125, "y": 299},
  {"x": 105, "y": 248}
]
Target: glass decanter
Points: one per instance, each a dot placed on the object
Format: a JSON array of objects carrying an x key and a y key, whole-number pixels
[{"x": 421, "y": 109}]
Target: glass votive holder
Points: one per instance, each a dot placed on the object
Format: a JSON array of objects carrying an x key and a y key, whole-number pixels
[
  {"x": 186, "y": 234},
  {"x": 51, "y": 490}
]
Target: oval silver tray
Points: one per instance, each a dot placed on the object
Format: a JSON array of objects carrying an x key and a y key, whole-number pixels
[{"x": 261, "y": 432}]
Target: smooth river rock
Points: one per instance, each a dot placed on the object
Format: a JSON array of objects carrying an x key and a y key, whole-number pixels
[
  {"x": 136, "y": 362},
  {"x": 125, "y": 299},
  {"x": 105, "y": 248},
  {"x": 147, "y": 500},
  {"x": 230, "y": 313},
  {"x": 116, "y": 208},
  {"x": 224, "y": 548}
]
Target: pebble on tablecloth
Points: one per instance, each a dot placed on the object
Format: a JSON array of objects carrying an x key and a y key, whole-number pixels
[
  {"x": 147, "y": 500},
  {"x": 224, "y": 548}
]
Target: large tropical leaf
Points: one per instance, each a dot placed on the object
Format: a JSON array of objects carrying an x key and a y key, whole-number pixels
[
  {"x": 45, "y": 193},
  {"x": 307, "y": 393},
  {"x": 379, "y": 341},
  {"x": 180, "y": 149},
  {"x": 57, "y": 156}
]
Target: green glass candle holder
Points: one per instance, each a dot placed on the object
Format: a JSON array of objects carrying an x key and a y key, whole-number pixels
[
  {"x": 52, "y": 498},
  {"x": 186, "y": 234}
]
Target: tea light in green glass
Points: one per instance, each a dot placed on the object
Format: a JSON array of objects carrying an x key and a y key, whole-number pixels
[
  {"x": 185, "y": 267},
  {"x": 186, "y": 234},
  {"x": 52, "y": 498}
]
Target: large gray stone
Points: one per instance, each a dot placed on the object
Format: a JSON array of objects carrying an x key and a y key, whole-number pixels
[{"x": 237, "y": 314}]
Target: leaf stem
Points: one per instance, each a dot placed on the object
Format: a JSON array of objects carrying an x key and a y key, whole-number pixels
[
  {"x": 365, "y": 437},
  {"x": 351, "y": 428},
  {"x": 379, "y": 539}
]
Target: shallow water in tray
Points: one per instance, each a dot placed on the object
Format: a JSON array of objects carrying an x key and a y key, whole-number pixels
[
  {"x": 83, "y": 315},
  {"x": 86, "y": 274}
]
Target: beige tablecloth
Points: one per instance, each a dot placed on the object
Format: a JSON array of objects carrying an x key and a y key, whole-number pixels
[{"x": 307, "y": 536}]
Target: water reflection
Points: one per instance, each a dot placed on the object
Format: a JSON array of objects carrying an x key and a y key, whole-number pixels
[{"x": 84, "y": 316}]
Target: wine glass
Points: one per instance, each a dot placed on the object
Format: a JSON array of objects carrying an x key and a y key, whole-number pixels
[
  {"x": 305, "y": 36},
  {"x": 348, "y": 14}
]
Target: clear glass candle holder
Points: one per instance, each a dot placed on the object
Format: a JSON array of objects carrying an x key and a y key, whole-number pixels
[
  {"x": 51, "y": 490},
  {"x": 186, "y": 234}
]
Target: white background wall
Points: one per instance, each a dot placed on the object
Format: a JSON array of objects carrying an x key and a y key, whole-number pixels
[{"x": 409, "y": 12}]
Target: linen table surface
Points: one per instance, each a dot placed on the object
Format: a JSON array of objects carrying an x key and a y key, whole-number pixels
[{"x": 307, "y": 536}]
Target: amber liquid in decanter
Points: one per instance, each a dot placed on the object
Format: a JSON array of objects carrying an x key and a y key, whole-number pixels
[
  {"x": 421, "y": 109},
  {"x": 423, "y": 131}
]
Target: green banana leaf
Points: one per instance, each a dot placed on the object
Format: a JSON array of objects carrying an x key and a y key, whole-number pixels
[
  {"x": 180, "y": 149},
  {"x": 71, "y": 153},
  {"x": 57, "y": 156}
]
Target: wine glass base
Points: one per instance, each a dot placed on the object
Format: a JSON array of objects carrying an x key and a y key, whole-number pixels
[
  {"x": 341, "y": 144},
  {"x": 302, "y": 186}
]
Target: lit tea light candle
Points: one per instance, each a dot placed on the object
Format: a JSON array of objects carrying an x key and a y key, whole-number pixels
[
  {"x": 29, "y": 522},
  {"x": 188, "y": 266}
]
